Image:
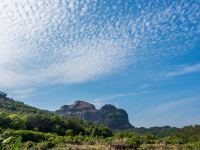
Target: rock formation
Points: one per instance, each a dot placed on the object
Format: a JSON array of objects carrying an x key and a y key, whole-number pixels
[{"x": 108, "y": 115}]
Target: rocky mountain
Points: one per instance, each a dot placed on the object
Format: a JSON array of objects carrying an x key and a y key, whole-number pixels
[{"x": 108, "y": 115}]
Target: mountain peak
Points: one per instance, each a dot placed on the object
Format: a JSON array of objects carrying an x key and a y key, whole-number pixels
[
  {"x": 108, "y": 115},
  {"x": 108, "y": 107},
  {"x": 82, "y": 105}
]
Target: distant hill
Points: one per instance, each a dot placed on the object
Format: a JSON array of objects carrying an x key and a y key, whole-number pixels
[
  {"x": 108, "y": 115},
  {"x": 10, "y": 105}
]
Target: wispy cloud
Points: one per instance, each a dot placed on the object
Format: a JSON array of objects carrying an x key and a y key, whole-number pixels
[
  {"x": 74, "y": 41},
  {"x": 164, "y": 107},
  {"x": 185, "y": 70},
  {"x": 23, "y": 93},
  {"x": 105, "y": 99},
  {"x": 176, "y": 112},
  {"x": 145, "y": 86}
]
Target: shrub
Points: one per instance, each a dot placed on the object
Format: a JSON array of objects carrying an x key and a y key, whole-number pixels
[
  {"x": 133, "y": 142},
  {"x": 101, "y": 131},
  {"x": 78, "y": 140},
  {"x": 27, "y": 135},
  {"x": 5, "y": 121},
  {"x": 173, "y": 140},
  {"x": 17, "y": 122},
  {"x": 148, "y": 139},
  {"x": 193, "y": 145},
  {"x": 69, "y": 139},
  {"x": 69, "y": 132},
  {"x": 89, "y": 140}
]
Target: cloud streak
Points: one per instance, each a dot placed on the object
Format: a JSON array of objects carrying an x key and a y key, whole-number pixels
[
  {"x": 23, "y": 93},
  {"x": 174, "y": 104},
  {"x": 100, "y": 101},
  {"x": 185, "y": 70},
  {"x": 167, "y": 113}
]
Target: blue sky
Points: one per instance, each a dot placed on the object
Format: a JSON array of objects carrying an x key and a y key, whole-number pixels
[{"x": 142, "y": 56}]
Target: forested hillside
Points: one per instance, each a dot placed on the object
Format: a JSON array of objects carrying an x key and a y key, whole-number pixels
[{"x": 17, "y": 115}]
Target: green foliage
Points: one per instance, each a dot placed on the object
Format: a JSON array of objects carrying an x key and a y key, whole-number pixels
[
  {"x": 189, "y": 133},
  {"x": 69, "y": 132},
  {"x": 48, "y": 122},
  {"x": 42, "y": 122},
  {"x": 101, "y": 131},
  {"x": 173, "y": 140},
  {"x": 45, "y": 145},
  {"x": 6, "y": 141},
  {"x": 134, "y": 142},
  {"x": 12, "y": 144},
  {"x": 17, "y": 122},
  {"x": 9, "y": 105},
  {"x": 76, "y": 125},
  {"x": 157, "y": 131},
  {"x": 27, "y": 135},
  {"x": 5, "y": 121},
  {"x": 89, "y": 140},
  {"x": 149, "y": 139},
  {"x": 195, "y": 146},
  {"x": 16, "y": 144}
]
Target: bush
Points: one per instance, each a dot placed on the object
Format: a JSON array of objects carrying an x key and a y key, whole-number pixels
[
  {"x": 5, "y": 121},
  {"x": 69, "y": 139},
  {"x": 78, "y": 140},
  {"x": 69, "y": 132},
  {"x": 134, "y": 142},
  {"x": 193, "y": 145},
  {"x": 101, "y": 131},
  {"x": 149, "y": 139},
  {"x": 89, "y": 140},
  {"x": 27, "y": 135},
  {"x": 17, "y": 122},
  {"x": 173, "y": 140}
]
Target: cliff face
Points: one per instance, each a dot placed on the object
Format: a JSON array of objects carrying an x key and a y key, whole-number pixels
[{"x": 108, "y": 115}]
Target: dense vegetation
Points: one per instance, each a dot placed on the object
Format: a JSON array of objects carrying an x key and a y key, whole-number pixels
[{"x": 25, "y": 127}]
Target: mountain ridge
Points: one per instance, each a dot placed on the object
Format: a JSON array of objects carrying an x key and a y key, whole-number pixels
[{"x": 108, "y": 114}]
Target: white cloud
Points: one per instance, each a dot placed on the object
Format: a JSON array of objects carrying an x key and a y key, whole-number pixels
[
  {"x": 65, "y": 41},
  {"x": 90, "y": 60},
  {"x": 185, "y": 70},
  {"x": 38, "y": 44},
  {"x": 23, "y": 93}
]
